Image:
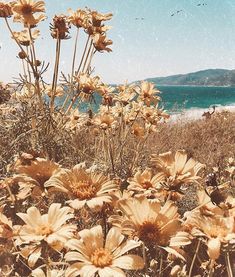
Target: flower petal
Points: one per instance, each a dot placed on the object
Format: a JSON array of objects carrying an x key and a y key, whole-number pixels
[{"x": 133, "y": 262}]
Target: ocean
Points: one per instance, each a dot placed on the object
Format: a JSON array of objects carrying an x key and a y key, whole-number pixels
[
  {"x": 187, "y": 97},
  {"x": 190, "y": 102}
]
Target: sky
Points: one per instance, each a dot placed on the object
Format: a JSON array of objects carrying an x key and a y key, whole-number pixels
[{"x": 199, "y": 37}]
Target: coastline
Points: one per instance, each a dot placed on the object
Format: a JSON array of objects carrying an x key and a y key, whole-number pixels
[
  {"x": 196, "y": 113},
  {"x": 196, "y": 86}
]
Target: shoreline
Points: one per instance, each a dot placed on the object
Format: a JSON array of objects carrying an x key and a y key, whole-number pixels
[
  {"x": 196, "y": 86},
  {"x": 196, "y": 113}
]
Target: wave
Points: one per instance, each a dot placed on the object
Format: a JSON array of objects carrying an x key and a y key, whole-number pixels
[{"x": 196, "y": 113}]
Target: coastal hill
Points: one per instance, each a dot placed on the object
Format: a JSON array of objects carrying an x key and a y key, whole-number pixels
[{"x": 209, "y": 77}]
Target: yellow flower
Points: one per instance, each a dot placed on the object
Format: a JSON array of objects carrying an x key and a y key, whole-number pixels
[
  {"x": 138, "y": 131},
  {"x": 79, "y": 18},
  {"x": 87, "y": 85},
  {"x": 25, "y": 10},
  {"x": 149, "y": 221},
  {"x": 21, "y": 186},
  {"x": 5, "y": 10},
  {"x": 145, "y": 180},
  {"x": 101, "y": 43},
  {"x": 126, "y": 93},
  {"x": 94, "y": 254},
  {"x": 97, "y": 18},
  {"x": 177, "y": 169},
  {"x": 151, "y": 115},
  {"x": 84, "y": 186},
  {"x": 38, "y": 169},
  {"x": 48, "y": 228},
  {"x": 147, "y": 93},
  {"x": 218, "y": 230},
  {"x": 105, "y": 121},
  {"x": 32, "y": 22},
  {"x": 92, "y": 31},
  {"x": 23, "y": 37}
]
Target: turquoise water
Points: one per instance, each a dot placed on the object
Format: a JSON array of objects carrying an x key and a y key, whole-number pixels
[
  {"x": 186, "y": 97},
  {"x": 178, "y": 98}
]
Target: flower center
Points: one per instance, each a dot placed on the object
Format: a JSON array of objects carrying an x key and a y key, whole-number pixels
[
  {"x": 149, "y": 232},
  {"x": 147, "y": 185},
  {"x": 26, "y": 9},
  {"x": 101, "y": 258},
  {"x": 44, "y": 230},
  {"x": 84, "y": 190},
  {"x": 146, "y": 95},
  {"x": 216, "y": 231}
]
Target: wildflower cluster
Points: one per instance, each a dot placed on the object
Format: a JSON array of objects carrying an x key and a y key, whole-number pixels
[{"x": 116, "y": 210}]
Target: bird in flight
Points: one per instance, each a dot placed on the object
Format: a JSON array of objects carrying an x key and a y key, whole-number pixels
[
  {"x": 202, "y": 4},
  {"x": 139, "y": 18},
  {"x": 177, "y": 12}
]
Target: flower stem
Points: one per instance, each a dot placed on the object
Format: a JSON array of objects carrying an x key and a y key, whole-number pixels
[
  {"x": 194, "y": 258},
  {"x": 228, "y": 265},
  {"x": 74, "y": 55},
  {"x": 55, "y": 74},
  {"x": 83, "y": 55}
]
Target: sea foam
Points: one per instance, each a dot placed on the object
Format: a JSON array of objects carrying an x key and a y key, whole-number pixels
[{"x": 196, "y": 113}]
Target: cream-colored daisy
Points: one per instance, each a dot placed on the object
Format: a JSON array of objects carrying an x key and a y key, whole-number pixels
[
  {"x": 21, "y": 186},
  {"x": 95, "y": 255},
  {"x": 79, "y": 18},
  {"x": 101, "y": 43},
  {"x": 145, "y": 180},
  {"x": 126, "y": 93},
  {"x": 87, "y": 85},
  {"x": 148, "y": 93},
  {"x": 25, "y": 11},
  {"x": 216, "y": 229},
  {"x": 24, "y": 38},
  {"x": 85, "y": 187},
  {"x": 51, "y": 227},
  {"x": 138, "y": 131},
  {"x": 149, "y": 221},
  {"x": 178, "y": 169},
  {"x": 38, "y": 169},
  {"x": 97, "y": 18},
  {"x": 105, "y": 121}
]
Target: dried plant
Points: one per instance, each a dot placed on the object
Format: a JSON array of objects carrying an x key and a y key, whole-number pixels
[{"x": 94, "y": 181}]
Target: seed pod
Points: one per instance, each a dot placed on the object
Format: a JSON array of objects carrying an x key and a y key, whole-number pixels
[{"x": 22, "y": 55}]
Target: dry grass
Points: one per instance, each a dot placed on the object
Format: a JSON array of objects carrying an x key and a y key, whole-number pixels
[{"x": 209, "y": 141}]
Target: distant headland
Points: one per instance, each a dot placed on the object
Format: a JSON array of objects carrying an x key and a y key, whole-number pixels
[{"x": 209, "y": 77}]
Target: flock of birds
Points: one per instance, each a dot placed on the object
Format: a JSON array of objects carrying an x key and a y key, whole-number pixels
[
  {"x": 142, "y": 18},
  {"x": 179, "y": 11},
  {"x": 176, "y": 12}
]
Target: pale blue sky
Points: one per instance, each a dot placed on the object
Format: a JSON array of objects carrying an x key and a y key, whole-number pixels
[{"x": 197, "y": 38}]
